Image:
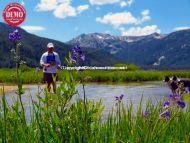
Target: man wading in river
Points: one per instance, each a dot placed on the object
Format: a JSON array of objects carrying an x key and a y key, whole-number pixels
[{"x": 50, "y": 62}]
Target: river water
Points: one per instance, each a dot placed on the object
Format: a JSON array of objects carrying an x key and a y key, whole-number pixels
[{"x": 133, "y": 92}]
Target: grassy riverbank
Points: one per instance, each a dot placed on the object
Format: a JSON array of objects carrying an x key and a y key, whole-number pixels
[
  {"x": 31, "y": 76},
  {"x": 55, "y": 119}
]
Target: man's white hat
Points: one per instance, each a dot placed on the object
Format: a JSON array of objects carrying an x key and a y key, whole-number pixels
[{"x": 50, "y": 45}]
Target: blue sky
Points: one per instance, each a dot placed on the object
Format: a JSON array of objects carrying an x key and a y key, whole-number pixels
[{"x": 65, "y": 19}]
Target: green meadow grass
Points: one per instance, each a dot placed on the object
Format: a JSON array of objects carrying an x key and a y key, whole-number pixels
[{"x": 30, "y": 76}]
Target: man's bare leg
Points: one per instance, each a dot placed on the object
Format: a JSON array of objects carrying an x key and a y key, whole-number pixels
[{"x": 49, "y": 86}]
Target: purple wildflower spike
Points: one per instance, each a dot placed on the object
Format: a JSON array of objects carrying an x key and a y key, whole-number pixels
[
  {"x": 166, "y": 104},
  {"x": 14, "y": 35},
  {"x": 177, "y": 97},
  {"x": 146, "y": 113},
  {"x": 170, "y": 95},
  {"x": 76, "y": 54},
  {"x": 181, "y": 103},
  {"x": 119, "y": 98},
  {"x": 165, "y": 114}
]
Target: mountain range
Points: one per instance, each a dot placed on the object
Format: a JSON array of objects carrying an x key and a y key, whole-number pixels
[
  {"x": 155, "y": 51},
  {"x": 100, "y": 40},
  {"x": 152, "y": 51}
]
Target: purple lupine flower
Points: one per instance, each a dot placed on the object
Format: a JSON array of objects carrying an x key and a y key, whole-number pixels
[
  {"x": 76, "y": 54},
  {"x": 165, "y": 114},
  {"x": 146, "y": 113},
  {"x": 170, "y": 95},
  {"x": 14, "y": 35},
  {"x": 166, "y": 104},
  {"x": 119, "y": 98},
  {"x": 181, "y": 103},
  {"x": 73, "y": 59},
  {"x": 177, "y": 97}
]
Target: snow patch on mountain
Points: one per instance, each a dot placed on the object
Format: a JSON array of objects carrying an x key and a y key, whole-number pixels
[{"x": 159, "y": 61}]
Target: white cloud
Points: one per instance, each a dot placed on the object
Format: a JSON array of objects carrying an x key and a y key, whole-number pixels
[
  {"x": 103, "y": 2},
  {"x": 122, "y": 3},
  {"x": 126, "y": 3},
  {"x": 181, "y": 28},
  {"x": 64, "y": 10},
  {"x": 82, "y": 8},
  {"x": 60, "y": 8},
  {"x": 145, "y": 16},
  {"x": 33, "y": 29},
  {"x": 122, "y": 29},
  {"x": 118, "y": 19},
  {"x": 145, "y": 12},
  {"x": 46, "y": 5},
  {"x": 140, "y": 31}
]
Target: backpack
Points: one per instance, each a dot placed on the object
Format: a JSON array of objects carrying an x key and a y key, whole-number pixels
[{"x": 50, "y": 58}]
